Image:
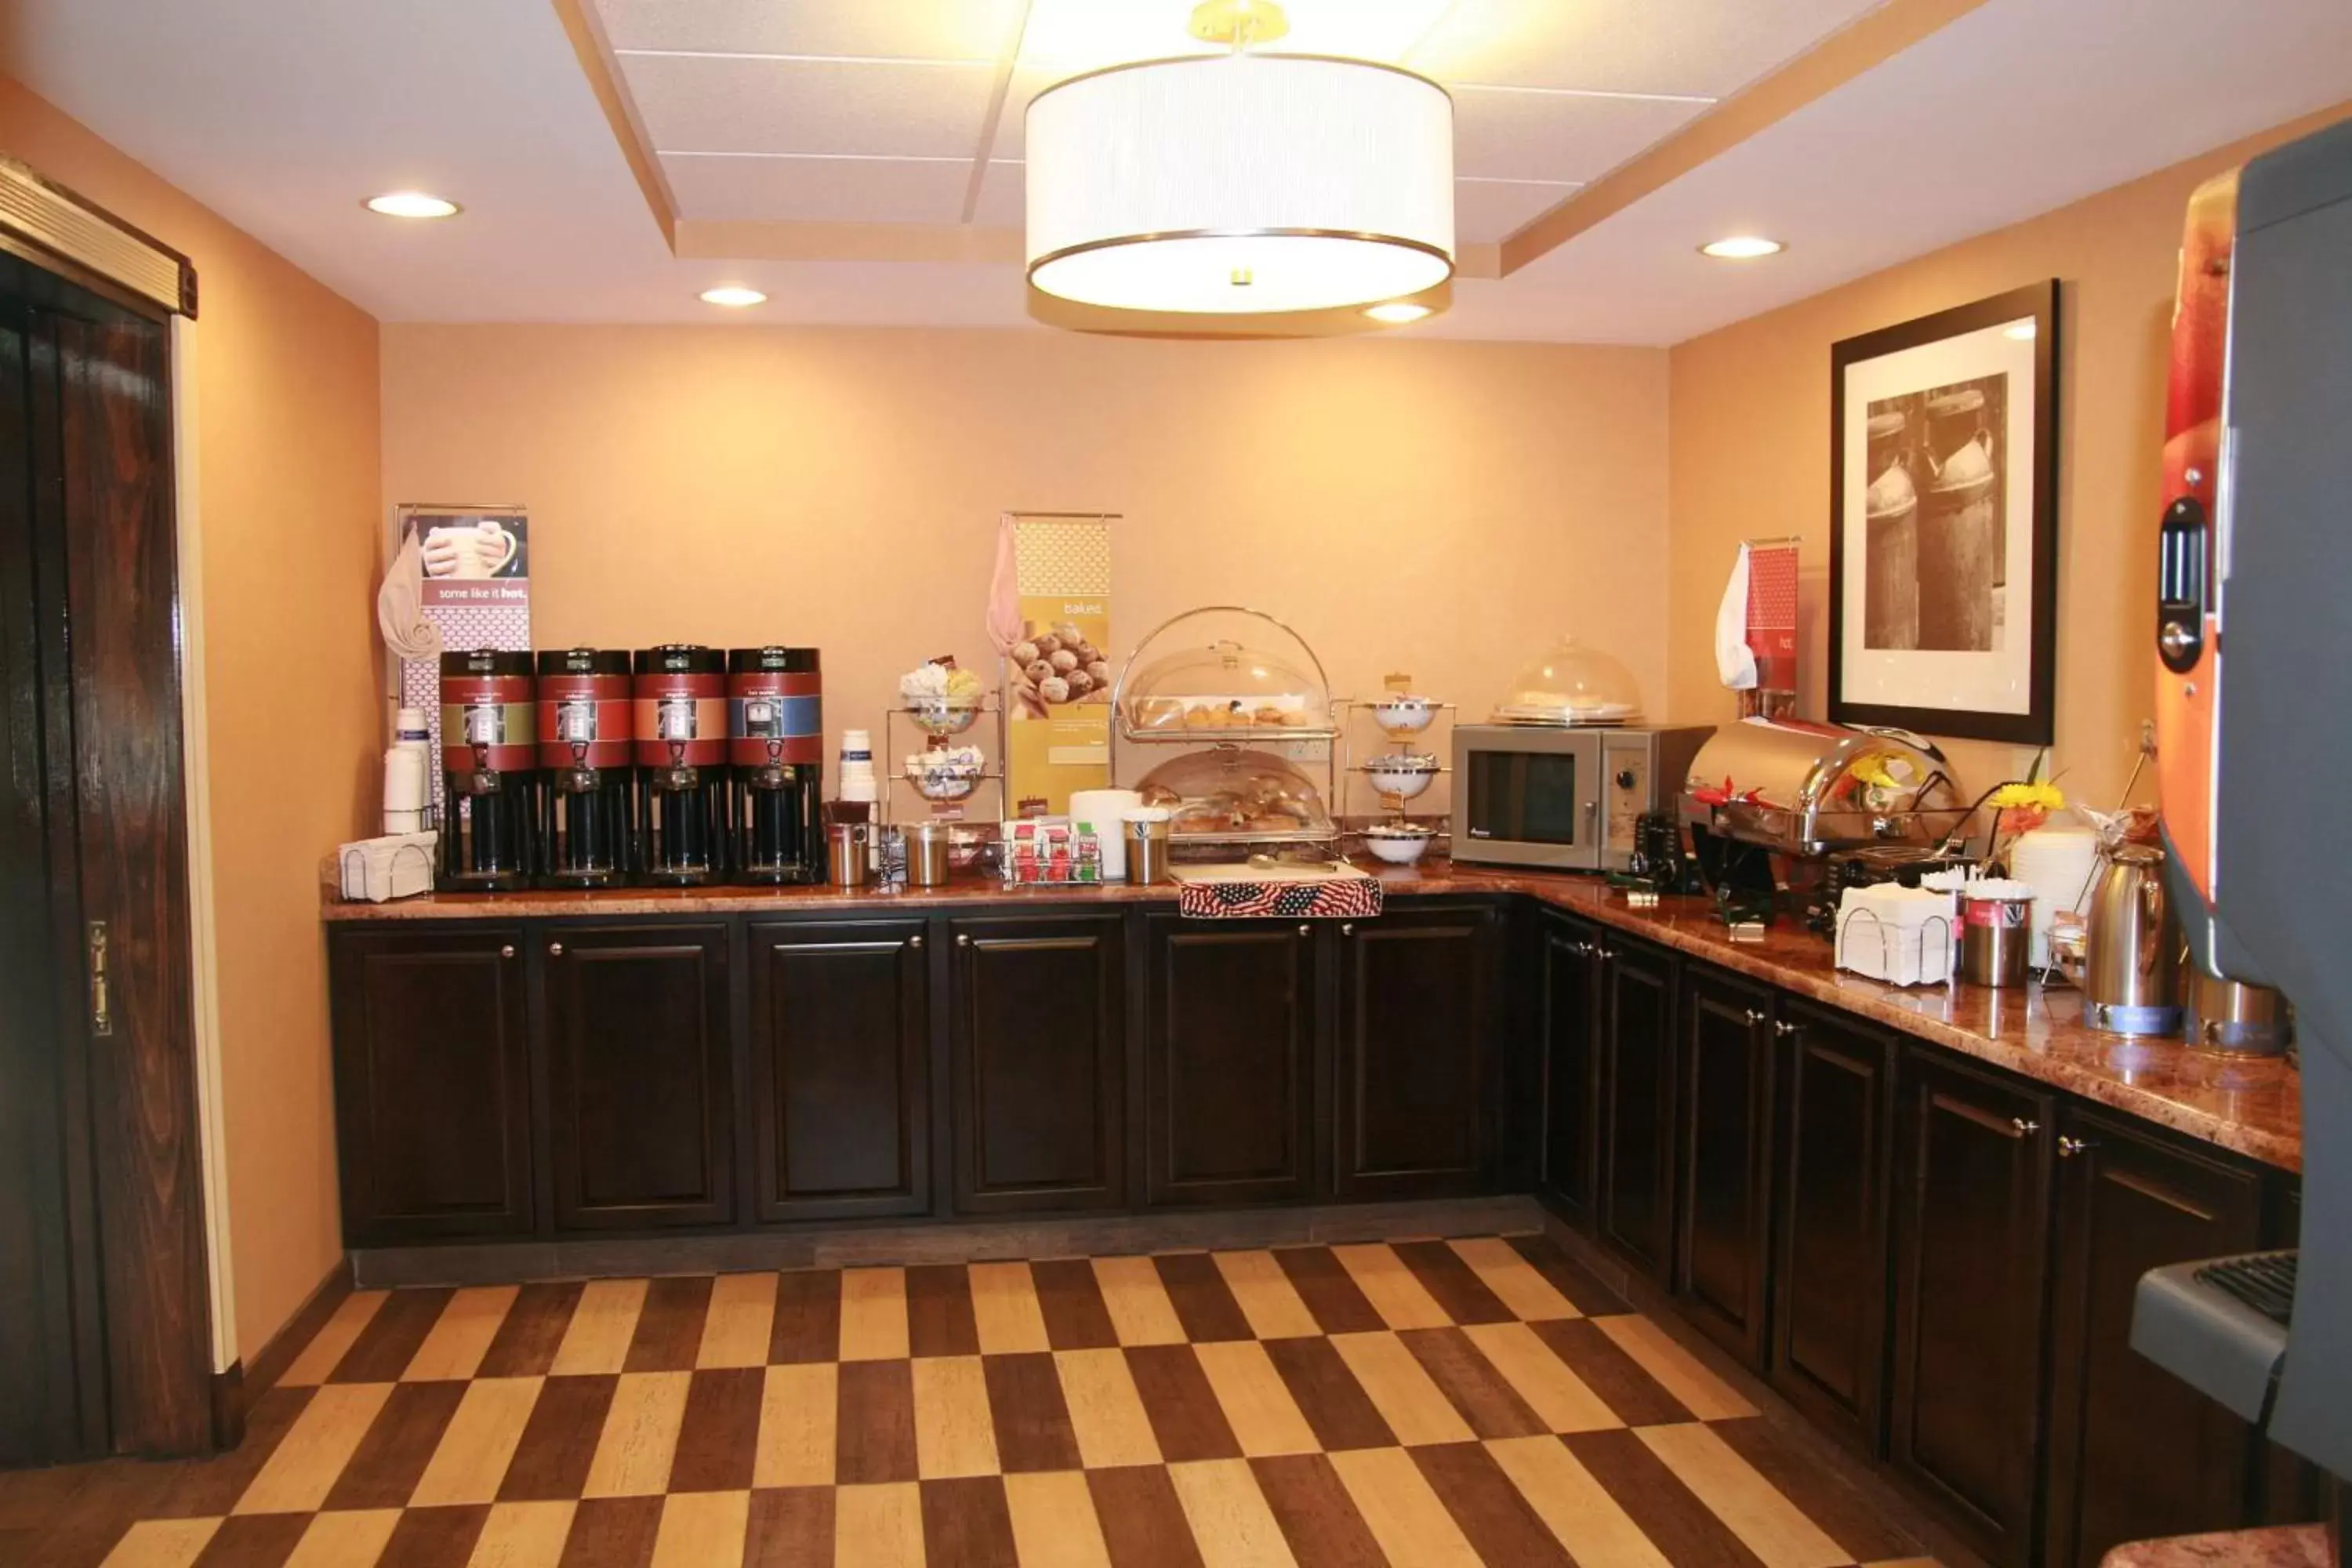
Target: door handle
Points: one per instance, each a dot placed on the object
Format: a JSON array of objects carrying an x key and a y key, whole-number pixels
[
  {"x": 963, "y": 939},
  {"x": 1305, "y": 930},
  {"x": 1783, "y": 1027},
  {"x": 507, "y": 952},
  {"x": 1348, "y": 928},
  {"x": 2024, "y": 1128},
  {"x": 101, "y": 1005},
  {"x": 2070, "y": 1147},
  {"x": 915, "y": 940},
  {"x": 555, "y": 950},
  {"x": 1756, "y": 1015}
]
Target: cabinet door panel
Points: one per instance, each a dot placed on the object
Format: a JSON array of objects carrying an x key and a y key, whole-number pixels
[
  {"x": 1637, "y": 1089},
  {"x": 1725, "y": 1216},
  {"x": 639, "y": 1073},
  {"x": 2135, "y": 1453},
  {"x": 432, "y": 1084},
  {"x": 1039, "y": 1081},
  {"x": 1566, "y": 1015},
  {"x": 1229, "y": 1060},
  {"x": 1971, "y": 1267},
  {"x": 1415, "y": 1039},
  {"x": 840, "y": 1050},
  {"x": 1829, "y": 1349}
]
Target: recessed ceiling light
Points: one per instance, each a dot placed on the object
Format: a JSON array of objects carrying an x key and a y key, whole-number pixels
[
  {"x": 734, "y": 296},
  {"x": 2022, "y": 332},
  {"x": 1742, "y": 248},
  {"x": 412, "y": 204},
  {"x": 1397, "y": 313}
]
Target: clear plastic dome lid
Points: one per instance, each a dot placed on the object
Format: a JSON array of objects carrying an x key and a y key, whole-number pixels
[
  {"x": 1223, "y": 685},
  {"x": 1572, "y": 684},
  {"x": 1231, "y": 791}
]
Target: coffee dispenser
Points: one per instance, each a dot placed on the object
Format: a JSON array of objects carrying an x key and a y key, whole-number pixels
[
  {"x": 490, "y": 812},
  {"x": 681, "y": 742},
  {"x": 775, "y": 727},
  {"x": 587, "y": 808}
]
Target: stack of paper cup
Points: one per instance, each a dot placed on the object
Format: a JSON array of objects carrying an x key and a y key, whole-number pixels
[
  {"x": 2059, "y": 862},
  {"x": 857, "y": 782},
  {"x": 1105, "y": 810}
]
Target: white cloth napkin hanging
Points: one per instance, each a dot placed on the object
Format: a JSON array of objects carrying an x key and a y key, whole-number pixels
[
  {"x": 1735, "y": 661},
  {"x": 1004, "y": 586},
  {"x": 408, "y": 632}
]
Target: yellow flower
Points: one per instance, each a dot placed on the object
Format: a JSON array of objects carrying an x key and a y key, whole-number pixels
[
  {"x": 2012, "y": 796},
  {"x": 1871, "y": 769}
]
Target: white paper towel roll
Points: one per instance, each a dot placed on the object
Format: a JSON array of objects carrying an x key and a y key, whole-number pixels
[{"x": 1105, "y": 809}]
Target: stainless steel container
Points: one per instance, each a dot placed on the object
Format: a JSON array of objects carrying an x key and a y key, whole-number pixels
[
  {"x": 927, "y": 853},
  {"x": 1995, "y": 936},
  {"x": 1147, "y": 842},
  {"x": 2229, "y": 1017},
  {"x": 846, "y": 845},
  {"x": 2131, "y": 960}
]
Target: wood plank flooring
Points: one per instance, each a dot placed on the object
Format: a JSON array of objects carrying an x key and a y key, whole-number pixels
[{"x": 1479, "y": 1400}]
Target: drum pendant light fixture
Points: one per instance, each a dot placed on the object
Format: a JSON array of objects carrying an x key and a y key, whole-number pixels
[{"x": 1242, "y": 183}]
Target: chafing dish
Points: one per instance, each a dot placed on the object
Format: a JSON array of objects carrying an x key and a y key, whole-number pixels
[{"x": 1809, "y": 789}]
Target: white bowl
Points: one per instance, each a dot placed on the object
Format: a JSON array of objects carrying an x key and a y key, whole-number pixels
[
  {"x": 1398, "y": 845},
  {"x": 1403, "y": 715}
]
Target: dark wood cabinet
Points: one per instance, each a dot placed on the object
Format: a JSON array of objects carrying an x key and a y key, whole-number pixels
[
  {"x": 1229, "y": 1036},
  {"x": 840, "y": 1048},
  {"x": 432, "y": 1083},
  {"x": 2135, "y": 1453},
  {"x": 1723, "y": 1213},
  {"x": 1039, "y": 1079},
  {"x": 1566, "y": 1019},
  {"x": 1411, "y": 1070},
  {"x": 1830, "y": 1284},
  {"x": 1635, "y": 1195},
  {"x": 1972, "y": 1243},
  {"x": 639, "y": 1074}
]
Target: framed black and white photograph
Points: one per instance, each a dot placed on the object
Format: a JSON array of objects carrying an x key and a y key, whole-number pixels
[{"x": 1944, "y": 521}]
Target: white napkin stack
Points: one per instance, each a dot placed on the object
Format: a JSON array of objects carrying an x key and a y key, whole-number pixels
[{"x": 1904, "y": 936}]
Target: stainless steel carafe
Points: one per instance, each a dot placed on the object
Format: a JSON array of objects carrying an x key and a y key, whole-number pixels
[{"x": 2131, "y": 965}]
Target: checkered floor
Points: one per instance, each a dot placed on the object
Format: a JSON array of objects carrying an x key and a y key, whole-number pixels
[{"x": 1417, "y": 1403}]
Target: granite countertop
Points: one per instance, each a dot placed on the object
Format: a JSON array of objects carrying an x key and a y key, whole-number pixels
[
  {"x": 2283, "y": 1546},
  {"x": 2251, "y": 1106}
]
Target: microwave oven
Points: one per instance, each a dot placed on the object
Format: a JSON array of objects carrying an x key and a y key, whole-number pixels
[{"x": 1564, "y": 799}]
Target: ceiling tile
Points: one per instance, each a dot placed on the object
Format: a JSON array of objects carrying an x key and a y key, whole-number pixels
[
  {"x": 1711, "y": 48},
  {"x": 700, "y": 105},
  {"x": 1071, "y": 36},
  {"x": 1556, "y": 136},
  {"x": 897, "y": 29},
  {"x": 1486, "y": 211},
  {"x": 1001, "y": 204},
  {"x": 819, "y": 190}
]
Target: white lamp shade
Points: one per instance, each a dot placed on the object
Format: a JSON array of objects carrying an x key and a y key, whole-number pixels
[{"x": 1241, "y": 185}]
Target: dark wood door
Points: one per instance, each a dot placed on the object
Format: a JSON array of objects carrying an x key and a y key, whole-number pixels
[
  {"x": 110, "y": 1208},
  {"x": 1038, "y": 1082},
  {"x": 1413, "y": 1060},
  {"x": 1637, "y": 1105},
  {"x": 1971, "y": 1264},
  {"x": 1724, "y": 1209},
  {"x": 2135, "y": 1453},
  {"x": 432, "y": 1083},
  {"x": 1228, "y": 1060},
  {"x": 1830, "y": 1283},
  {"x": 1566, "y": 1021},
  {"x": 639, "y": 1077},
  {"x": 841, "y": 1069}
]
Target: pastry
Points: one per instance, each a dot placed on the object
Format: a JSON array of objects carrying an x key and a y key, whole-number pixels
[
  {"x": 1268, "y": 713},
  {"x": 1062, "y": 660},
  {"x": 1199, "y": 718}
]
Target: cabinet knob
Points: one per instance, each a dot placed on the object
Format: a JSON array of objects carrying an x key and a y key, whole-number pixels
[
  {"x": 2024, "y": 1128},
  {"x": 916, "y": 940},
  {"x": 963, "y": 939},
  {"x": 1346, "y": 928},
  {"x": 1602, "y": 954},
  {"x": 1754, "y": 1017},
  {"x": 2070, "y": 1147},
  {"x": 555, "y": 950},
  {"x": 1783, "y": 1027},
  {"x": 507, "y": 952},
  {"x": 1305, "y": 930}
]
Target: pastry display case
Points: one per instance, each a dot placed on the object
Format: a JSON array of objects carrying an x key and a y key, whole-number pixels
[
  {"x": 1569, "y": 684},
  {"x": 1246, "y": 704}
]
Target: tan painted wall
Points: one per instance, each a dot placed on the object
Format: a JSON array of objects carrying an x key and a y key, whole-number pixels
[
  {"x": 288, "y": 445},
  {"x": 1443, "y": 508},
  {"x": 1750, "y": 428}
]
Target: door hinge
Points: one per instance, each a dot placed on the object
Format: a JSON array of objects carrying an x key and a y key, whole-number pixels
[{"x": 101, "y": 1011}]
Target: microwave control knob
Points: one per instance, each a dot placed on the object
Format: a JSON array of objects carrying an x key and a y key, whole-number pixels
[{"x": 1626, "y": 778}]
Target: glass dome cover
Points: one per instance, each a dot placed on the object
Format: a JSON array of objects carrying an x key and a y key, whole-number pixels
[
  {"x": 1228, "y": 791},
  {"x": 1572, "y": 684},
  {"x": 1231, "y": 670}
]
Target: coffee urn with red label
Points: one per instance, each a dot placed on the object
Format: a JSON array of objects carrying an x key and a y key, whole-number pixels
[
  {"x": 775, "y": 727},
  {"x": 681, "y": 742},
  {"x": 587, "y": 789},
  {"x": 489, "y": 768}
]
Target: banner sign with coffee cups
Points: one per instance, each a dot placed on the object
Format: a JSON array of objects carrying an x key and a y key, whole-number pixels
[{"x": 475, "y": 589}]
